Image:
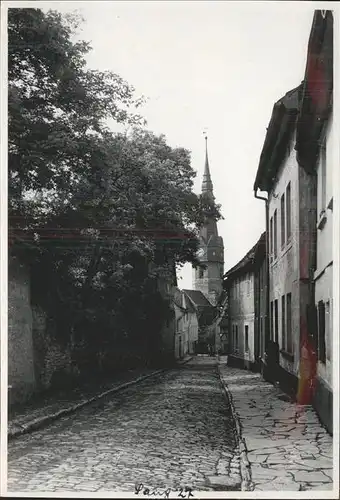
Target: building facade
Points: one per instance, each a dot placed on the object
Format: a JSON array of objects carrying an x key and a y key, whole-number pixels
[
  {"x": 316, "y": 146},
  {"x": 222, "y": 324},
  {"x": 260, "y": 301},
  {"x": 166, "y": 287},
  {"x": 242, "y": 320},
  {"x": 247, "y": 307},
  {"x": 186, "y": 335},
  {"x": 323, "y": 277},
  {"x": 205, "y": 314},
  {"x": 291, "y": 215},
  {"x": 295, "y": 170},
  {"x": 190, "y": 325}
]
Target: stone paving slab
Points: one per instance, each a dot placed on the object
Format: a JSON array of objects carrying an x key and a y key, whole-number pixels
[{"x": 287, "y": 448}]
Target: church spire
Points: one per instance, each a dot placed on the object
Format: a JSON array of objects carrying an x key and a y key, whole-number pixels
[
  {"x": 211, "y": 252},
  {"x": 207, "y": 185}
]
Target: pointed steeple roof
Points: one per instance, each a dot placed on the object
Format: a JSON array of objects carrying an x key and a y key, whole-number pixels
[
  {"x": 209, "y": 229},
  {"x": 207, "y": 185}
]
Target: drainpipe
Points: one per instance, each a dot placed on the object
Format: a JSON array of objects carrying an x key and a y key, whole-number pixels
[{"x": 267, "y": 336}]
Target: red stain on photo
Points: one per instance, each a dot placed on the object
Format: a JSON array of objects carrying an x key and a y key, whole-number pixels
[{"x": 308, "y": 365}]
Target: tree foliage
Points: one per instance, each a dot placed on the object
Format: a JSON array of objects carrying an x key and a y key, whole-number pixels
[
  {"x": 100, "y": 216},
  {"x": 56, "y": 106}
]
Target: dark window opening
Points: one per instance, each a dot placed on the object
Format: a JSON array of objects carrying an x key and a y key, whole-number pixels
[
  {"x": 321, "y": 331},
  {"x": 275, "y": 234},
  {"x": 271, "y": 239},
  {"x": 289, "y": 324},
  {"x": 272, "y": 320},
  {"x": 288, "y": 212},
  {"x": 323, "y": 174},
  {"x": 283, "y": 221},
  {"x": 283, "y": 322},
  {"x": 276, "y": 307}
]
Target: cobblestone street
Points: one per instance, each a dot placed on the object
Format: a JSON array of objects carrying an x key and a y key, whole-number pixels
[{"x": 170, "y": 431}]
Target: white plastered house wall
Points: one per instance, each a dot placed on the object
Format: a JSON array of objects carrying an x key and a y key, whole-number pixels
[
  {"x": 323, "y": 275},
  {"x": 242, "y": 315},
  {"x": 190, "y": 325},
  {"x": 178, "y": 331},
  {"x": 284, "y": 272}
]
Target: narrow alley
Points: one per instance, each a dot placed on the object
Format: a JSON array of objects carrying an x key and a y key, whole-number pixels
[
  {"x": 170, "y": 312},
  {"x": 174, "y": 430}
]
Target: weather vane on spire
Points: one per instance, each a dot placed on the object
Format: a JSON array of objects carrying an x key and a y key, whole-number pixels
[{"x": 205, "y": 133}]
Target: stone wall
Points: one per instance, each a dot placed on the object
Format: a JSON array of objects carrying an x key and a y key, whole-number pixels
[
  {"x": 36, "y": 361},
  {"x": 21, "y": 376},
  {"x": 52, "y": 362}
]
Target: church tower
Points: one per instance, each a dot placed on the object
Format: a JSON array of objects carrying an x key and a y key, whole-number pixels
[{"x": 211, "y": 250}]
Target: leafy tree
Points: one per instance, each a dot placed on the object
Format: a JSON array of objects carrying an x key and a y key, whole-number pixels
[
  {"x": 56, "y": 107},
  {"x": 104, "y": 214}
]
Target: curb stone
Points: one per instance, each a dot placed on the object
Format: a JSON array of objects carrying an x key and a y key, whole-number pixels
[
  {"x": 17, "y": 430},
  {"x": 40, "y": 422},
  {"x": 183, "y": 361},
  {"x": 245, "y": 469}
]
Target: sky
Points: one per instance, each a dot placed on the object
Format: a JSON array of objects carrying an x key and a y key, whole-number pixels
[{"x": 214, "y": 66}]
